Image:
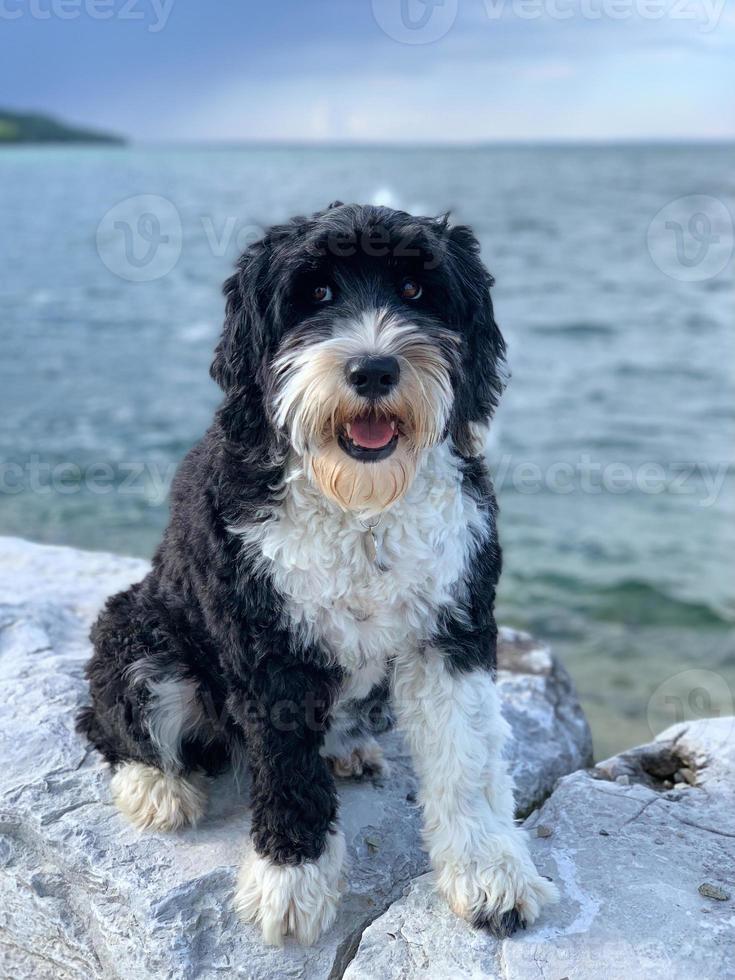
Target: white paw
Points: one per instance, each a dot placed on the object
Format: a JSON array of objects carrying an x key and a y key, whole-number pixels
[
  {"x": 154, "y": 800},
  {"x": 292, "y": 900},
  {"x": 364, "y": 760},
  {"x": 499, "y": 889}
]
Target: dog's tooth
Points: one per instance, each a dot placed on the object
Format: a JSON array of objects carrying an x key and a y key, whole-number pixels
[
  {"x": 348, "y": 427},
  {"x": 393, "y": 424}
]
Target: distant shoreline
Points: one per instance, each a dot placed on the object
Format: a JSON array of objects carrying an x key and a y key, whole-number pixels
[{"x": 34, "y": 129}]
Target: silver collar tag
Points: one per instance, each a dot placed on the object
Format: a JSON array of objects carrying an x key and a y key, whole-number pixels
[{"x": 370, "y": 543}]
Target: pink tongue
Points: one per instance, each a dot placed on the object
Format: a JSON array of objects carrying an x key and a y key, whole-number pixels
[{"x": 371, "y": 433}]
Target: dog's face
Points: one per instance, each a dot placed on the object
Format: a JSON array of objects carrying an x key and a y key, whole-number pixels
[{"x": 360, "y": 337}]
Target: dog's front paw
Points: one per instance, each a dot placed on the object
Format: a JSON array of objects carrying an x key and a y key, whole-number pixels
[
  {"x": 297, "y": 900},
  {"x": 498, "y": 890}
]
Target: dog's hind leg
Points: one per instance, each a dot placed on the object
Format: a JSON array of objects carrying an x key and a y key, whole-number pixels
[
  {"x": 350, "y": 747},
  {"x": 165, "y": 796},
  {"x": 147, "y": 718},
  {"x": 362, "y": 761},
  {"x": 152, "y": 799}
]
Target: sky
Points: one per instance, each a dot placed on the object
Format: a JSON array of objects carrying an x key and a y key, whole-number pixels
[{"x": 403, "y": 71}]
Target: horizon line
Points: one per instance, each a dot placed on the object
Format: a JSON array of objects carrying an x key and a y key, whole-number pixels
[{"x": 346, "y": 144}]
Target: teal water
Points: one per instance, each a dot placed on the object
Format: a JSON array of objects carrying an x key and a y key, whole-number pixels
[{"x": 613, "y": 445}]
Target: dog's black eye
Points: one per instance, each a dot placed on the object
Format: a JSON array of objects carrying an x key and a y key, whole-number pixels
[
  {"x": 410, "y": 289},
  {"x": 321, "y": 294}
]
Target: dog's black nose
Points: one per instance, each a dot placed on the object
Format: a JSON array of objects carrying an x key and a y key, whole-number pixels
[{"x": 373, "y": 377}]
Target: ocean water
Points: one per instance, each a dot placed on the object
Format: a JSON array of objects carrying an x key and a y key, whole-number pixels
[{"x": 612, "y": 449}]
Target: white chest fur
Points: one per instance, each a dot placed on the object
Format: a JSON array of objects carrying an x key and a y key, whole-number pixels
[{"x": 337, "y": 596}]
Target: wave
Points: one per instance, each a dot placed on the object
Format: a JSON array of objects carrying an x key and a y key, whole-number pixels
[
  {"x": 574, "y": 329},
  {"x": 640, "y": 603},
  {"x": 633, "y": 602}
]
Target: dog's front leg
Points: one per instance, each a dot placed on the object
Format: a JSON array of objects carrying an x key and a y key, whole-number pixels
[
  {"x": 289, "y": 883},
  {"x": 456, "y": 732}
]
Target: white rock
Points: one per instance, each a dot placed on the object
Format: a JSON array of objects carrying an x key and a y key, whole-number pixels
[
  {"x": 83, "y": 895},
  {"x": 630, "y": 908}
]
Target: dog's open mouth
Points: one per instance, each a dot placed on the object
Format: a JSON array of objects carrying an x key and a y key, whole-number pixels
[{"x": 370, "y": 438}]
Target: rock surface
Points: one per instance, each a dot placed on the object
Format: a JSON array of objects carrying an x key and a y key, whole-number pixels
[
  {"x": 645, "y": 863},
  {"x": 83, "y": 895}
]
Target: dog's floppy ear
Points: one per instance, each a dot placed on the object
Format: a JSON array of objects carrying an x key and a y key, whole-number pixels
[
  {"x": 240, "y": 356},
  {"x": 483, "y": 358},
  {"x": 233, "y": 354}
]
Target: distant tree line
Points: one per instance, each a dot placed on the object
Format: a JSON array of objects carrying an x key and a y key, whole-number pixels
[{"x": 37, "y": 128}]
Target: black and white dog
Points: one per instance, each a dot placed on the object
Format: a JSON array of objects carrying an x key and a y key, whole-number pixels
[{"x": 332, "y": 541}]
